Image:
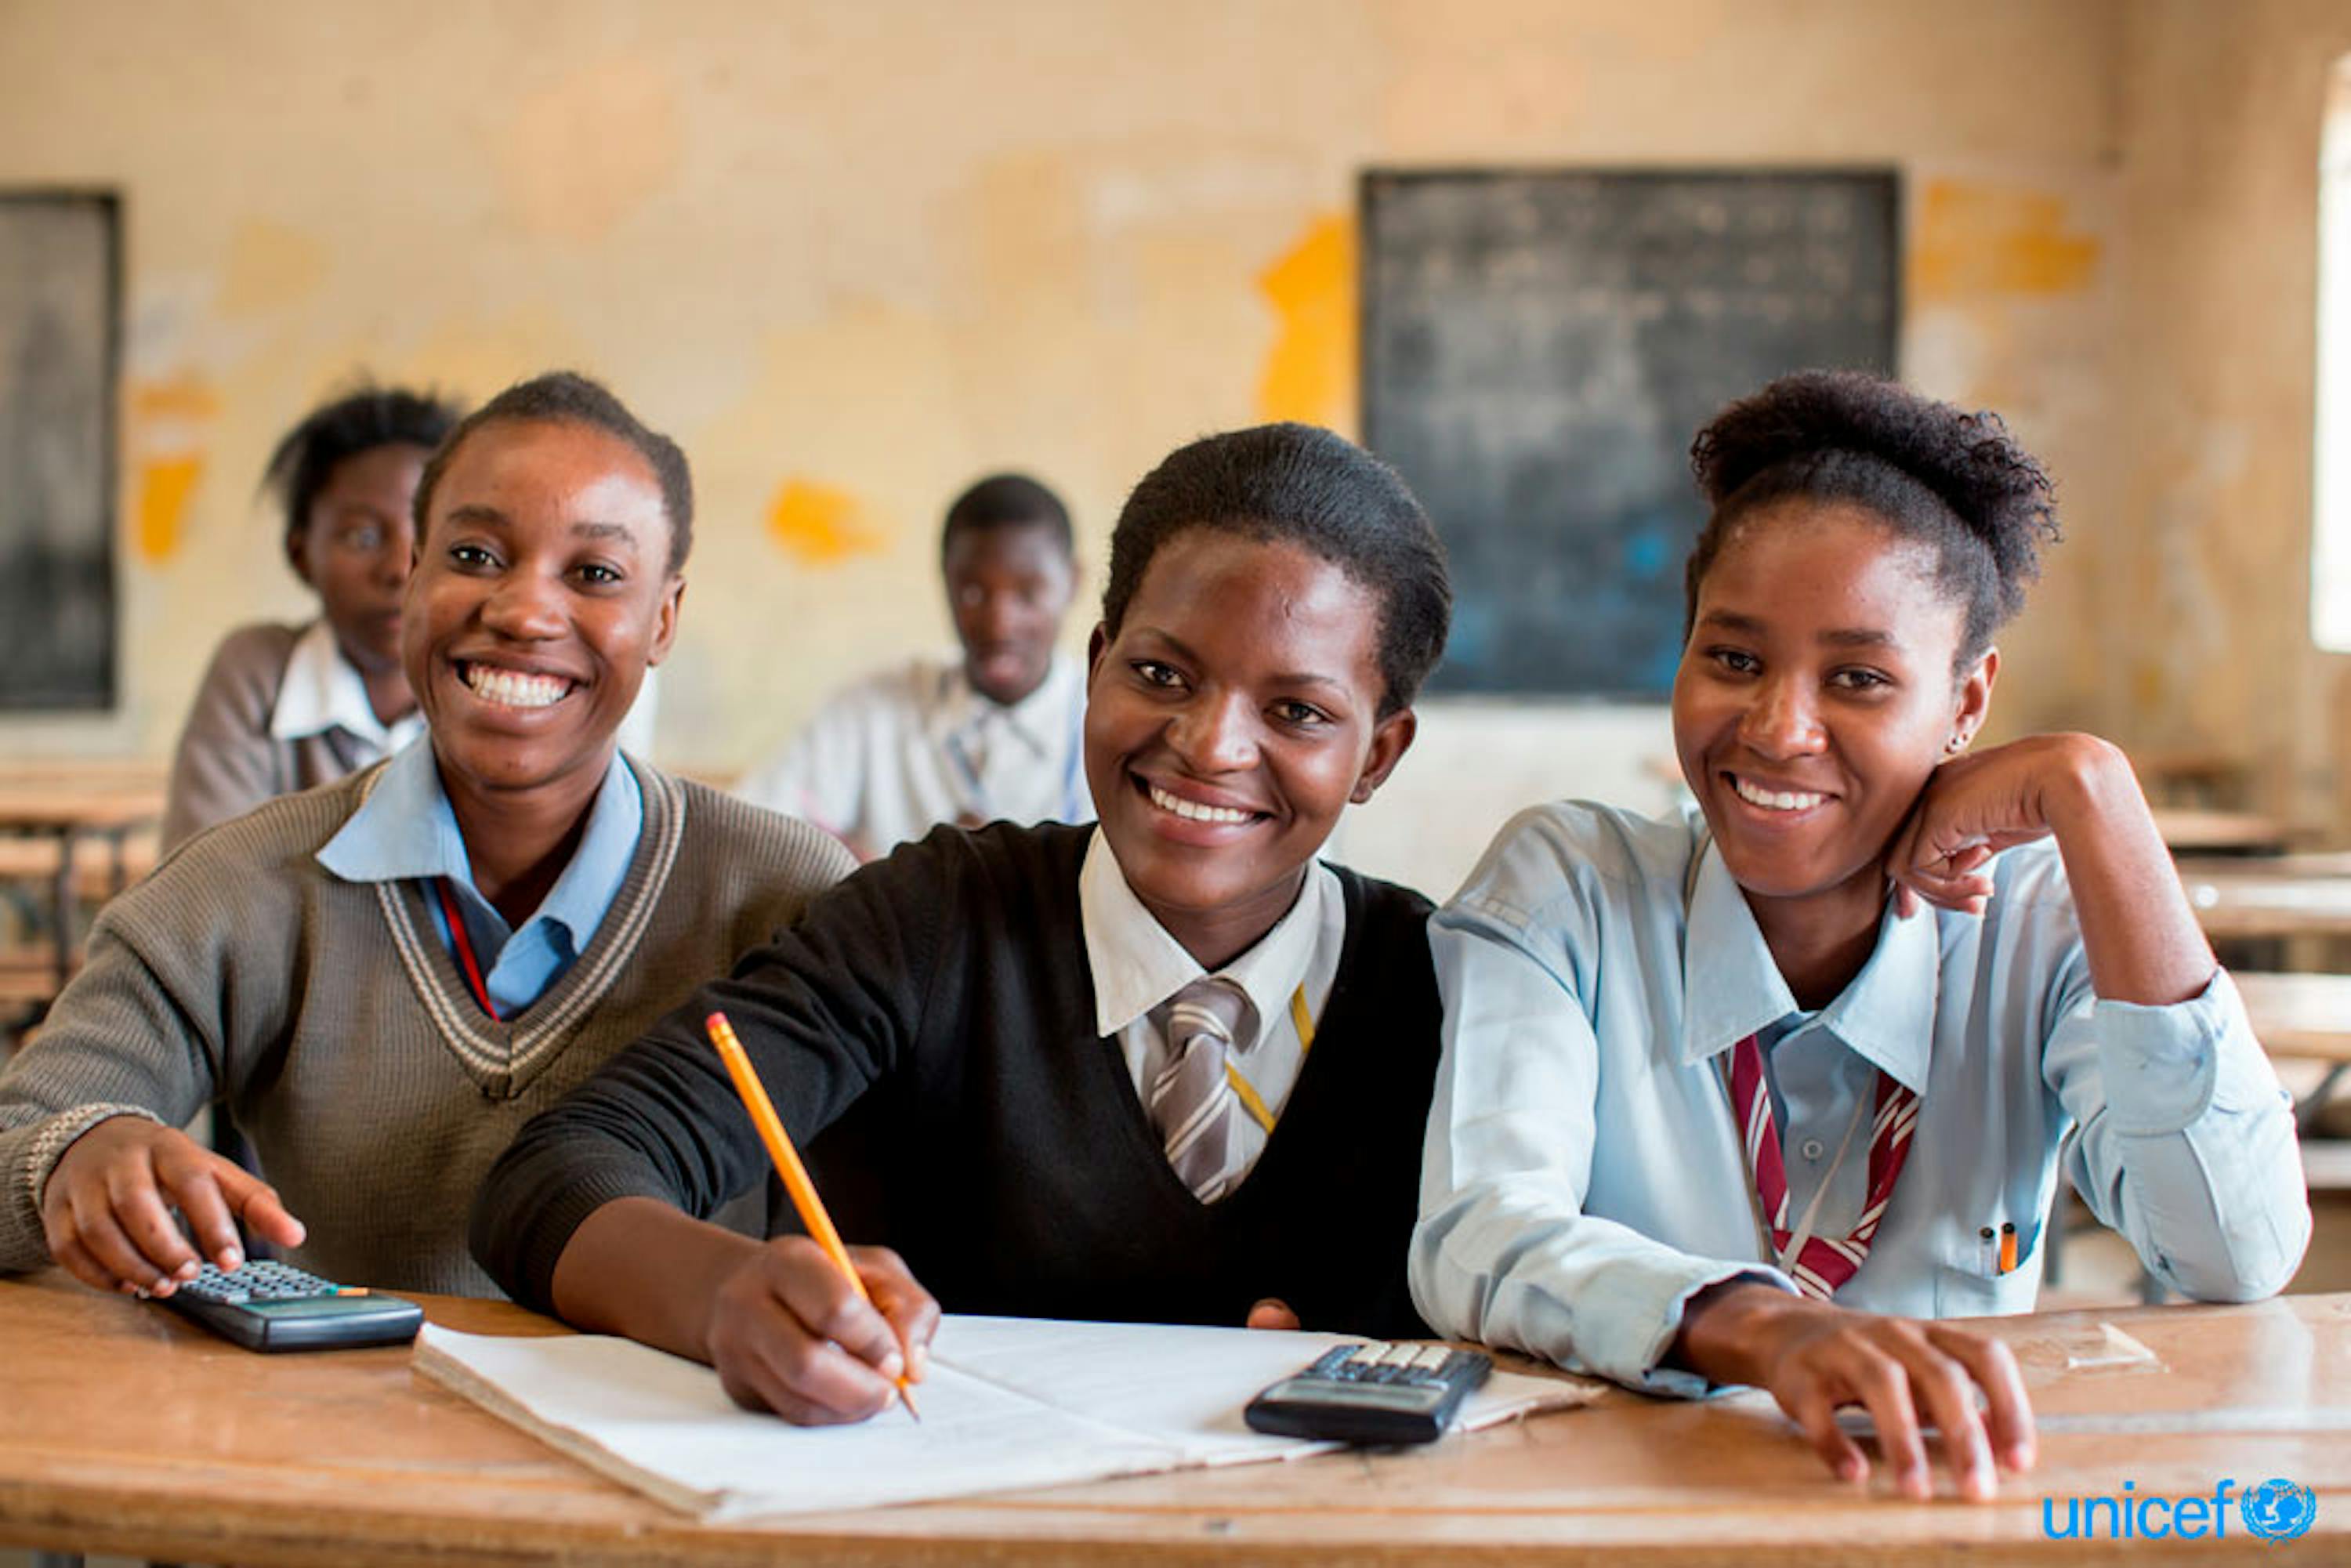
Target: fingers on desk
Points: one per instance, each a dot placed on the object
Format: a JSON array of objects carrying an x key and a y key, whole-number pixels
[
  {"x": 1907, "y": 1374},
  {"x": 2008, "y": 1410},
  {"x": 1273, "y": 1313}
]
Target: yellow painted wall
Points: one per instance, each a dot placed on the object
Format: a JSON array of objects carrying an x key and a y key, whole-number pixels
[
  {"x": 854, "y": 254},
  {"x": 2222, "y": 111}
]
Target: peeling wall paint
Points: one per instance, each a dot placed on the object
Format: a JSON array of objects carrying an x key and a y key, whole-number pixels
[
  {"x": 882, "y": 250},
  {"x": 1975, "y": 238},
  {"x": 588, "y": 150},
  {"x": 1310, "y": 372},
  {"x": 820, "y": 525},
  {"x": 166, "y": 485}
]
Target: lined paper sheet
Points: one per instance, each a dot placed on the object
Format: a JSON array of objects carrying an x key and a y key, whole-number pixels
[{"x": 1009, "y": 1404}]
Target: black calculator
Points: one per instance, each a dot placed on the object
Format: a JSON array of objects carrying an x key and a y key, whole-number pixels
[
  {"x": 273, "y": 1306},
  {"x": 1384, "y": 1394}
]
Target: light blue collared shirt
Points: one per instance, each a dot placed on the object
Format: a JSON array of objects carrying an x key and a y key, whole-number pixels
[
  {"x": 1584, "y": 1175},
  {"x": 406, "y": 829}
]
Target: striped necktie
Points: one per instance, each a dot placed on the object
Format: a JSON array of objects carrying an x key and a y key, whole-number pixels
[
  {"x": 1192, "y": 1103},
  {"x": 1825, "y": 1263}
]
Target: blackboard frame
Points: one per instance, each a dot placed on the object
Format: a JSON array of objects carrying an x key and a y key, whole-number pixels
[
  {"x": 1880, "y": 186},
  {"x": 98, "y": 688}
]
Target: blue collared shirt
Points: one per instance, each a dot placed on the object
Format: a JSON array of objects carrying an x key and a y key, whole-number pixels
[
  {"x": 406, "y": 829},
  {"x": 1584, "y": 1176}
]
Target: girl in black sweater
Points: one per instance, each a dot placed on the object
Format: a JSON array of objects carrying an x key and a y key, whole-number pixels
[{"x": 999, "y": 1032}]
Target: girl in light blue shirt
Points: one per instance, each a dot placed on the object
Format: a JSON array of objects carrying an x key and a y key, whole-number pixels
[{"x": 1757, "y": 1095}]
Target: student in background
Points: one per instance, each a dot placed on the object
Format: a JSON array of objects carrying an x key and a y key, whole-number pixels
[
  {"x": 991, "y": 736},
  {"x": 1171, "y": 1067},
  {"x": 284, "y": 708},
  {"x": 382, "y": 978},
  {"x": 1718, "y": 1092}
]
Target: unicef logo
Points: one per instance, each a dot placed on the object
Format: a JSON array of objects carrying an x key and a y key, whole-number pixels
[{"x": 2277, "y": 1510}]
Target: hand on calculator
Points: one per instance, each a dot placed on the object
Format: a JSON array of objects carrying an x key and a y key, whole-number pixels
[{"x": 107, "y": 1209}]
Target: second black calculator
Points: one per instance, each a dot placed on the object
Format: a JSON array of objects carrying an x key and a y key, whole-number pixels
[{"x": 1382, "y": 1394}]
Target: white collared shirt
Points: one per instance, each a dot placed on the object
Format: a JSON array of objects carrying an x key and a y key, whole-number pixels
[
  {"x": 1138, "y": 968},
  {"x": 889, "y": 758},
  {"x": 322, "y": 690},
  {"x": 1584, "y": 1175}
]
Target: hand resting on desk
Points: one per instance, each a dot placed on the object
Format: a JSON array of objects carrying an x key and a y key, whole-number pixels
[
  {"x": 107, "y": 1210},
  {"x": 1815, "y": 1357}
]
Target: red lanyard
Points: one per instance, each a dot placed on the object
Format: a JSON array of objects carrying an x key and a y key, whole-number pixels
[{"x": 464, "y": 946}]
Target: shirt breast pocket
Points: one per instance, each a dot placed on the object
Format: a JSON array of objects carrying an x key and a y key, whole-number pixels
[{"x": 1991, "y": 1271}]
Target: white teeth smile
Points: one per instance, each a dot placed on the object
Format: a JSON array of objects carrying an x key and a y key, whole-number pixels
[
  {"x": 1193, "y": 811},
  {"x": 512, "y": 688},
  {"x": 1775, "y": 799}
]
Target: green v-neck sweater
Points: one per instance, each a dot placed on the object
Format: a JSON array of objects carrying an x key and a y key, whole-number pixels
[
  {"x": 943, "y": 993},
  {"x": 330, "y": 1019}
]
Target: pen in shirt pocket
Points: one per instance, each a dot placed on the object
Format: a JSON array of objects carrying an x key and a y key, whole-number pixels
[{"x": 1998, "y": 1251}]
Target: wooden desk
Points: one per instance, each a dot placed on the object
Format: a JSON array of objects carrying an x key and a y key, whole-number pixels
[
  {"x": 2301, "y": 864},
  {"x": 128, "y": 1432},
  {"x": 52, "y": 808},
  {"x": 2194, "y": 830},
  {"x": 2305, "y": 1016},
  {"x": 2251, "y": 902}
]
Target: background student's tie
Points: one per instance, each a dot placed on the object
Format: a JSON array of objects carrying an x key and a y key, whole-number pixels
[{"x": 1192, "y": 1102}]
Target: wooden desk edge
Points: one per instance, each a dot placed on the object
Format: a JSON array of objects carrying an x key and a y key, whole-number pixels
[{"x": 89, "y": 1506}]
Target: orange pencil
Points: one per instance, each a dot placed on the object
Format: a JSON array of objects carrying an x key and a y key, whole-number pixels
[
  {"x": 788, "y": 1163},
  {"x": 2008, "y": 1248}
]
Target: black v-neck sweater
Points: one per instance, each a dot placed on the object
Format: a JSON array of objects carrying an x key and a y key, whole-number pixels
[{"x": 998, "y": 1142}]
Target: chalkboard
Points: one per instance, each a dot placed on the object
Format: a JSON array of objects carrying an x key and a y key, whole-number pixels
[
  {"x": 1538, "y": 349},
  {"x": 59, "y": 286}
]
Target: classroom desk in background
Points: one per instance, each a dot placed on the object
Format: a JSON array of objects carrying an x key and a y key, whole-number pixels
[
  {"x": 2251, "y": 902},
  {"x": 2193, "y": 830},
  {"x": 52, "y": 810},
  {"x": 130, "y": 1432}
]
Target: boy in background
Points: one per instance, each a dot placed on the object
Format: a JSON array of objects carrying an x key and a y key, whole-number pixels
[{"x": 992, "y": 735}]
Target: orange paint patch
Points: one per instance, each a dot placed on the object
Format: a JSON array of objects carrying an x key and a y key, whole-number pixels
[
  {"x": 1975, "y": 239},
  {"x": 1309, "y": 373},
  {"x": 165, "y": 486},
  {"x": 180, "y": 397},
  {"x": 818, "y": 524}
]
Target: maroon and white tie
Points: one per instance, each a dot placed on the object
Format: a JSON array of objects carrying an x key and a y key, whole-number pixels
[{"x": 1825, "y": 1263}]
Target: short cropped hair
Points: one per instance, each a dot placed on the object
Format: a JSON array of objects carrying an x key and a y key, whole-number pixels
[
  {"x": 1304, "y": 485},
  {"x": 1957, "y": 482},
  {"x": 1006, "y": 501},
  {"x": 568, "y": 397},
  {"x": 358, "y": 421}
]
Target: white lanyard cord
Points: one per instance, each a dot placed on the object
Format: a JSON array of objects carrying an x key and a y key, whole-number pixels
[{"x": 1794, "y": 1251}]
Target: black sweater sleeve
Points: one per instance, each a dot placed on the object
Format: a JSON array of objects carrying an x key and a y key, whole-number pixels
[{"x": 825, "y": 1011}]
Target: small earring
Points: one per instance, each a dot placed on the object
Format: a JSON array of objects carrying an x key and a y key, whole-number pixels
[{"x": 1954, "y": 746}]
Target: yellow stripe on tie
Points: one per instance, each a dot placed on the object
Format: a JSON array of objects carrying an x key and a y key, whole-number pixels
[
  {"x": 1302, "y": 1020},
  {"x": 1251, "y": 1101}
]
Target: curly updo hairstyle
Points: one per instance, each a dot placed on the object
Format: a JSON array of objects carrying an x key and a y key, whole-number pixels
[
  {"x": 1957, "y": 482},
  {"x": 1299, "y": 485}
]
